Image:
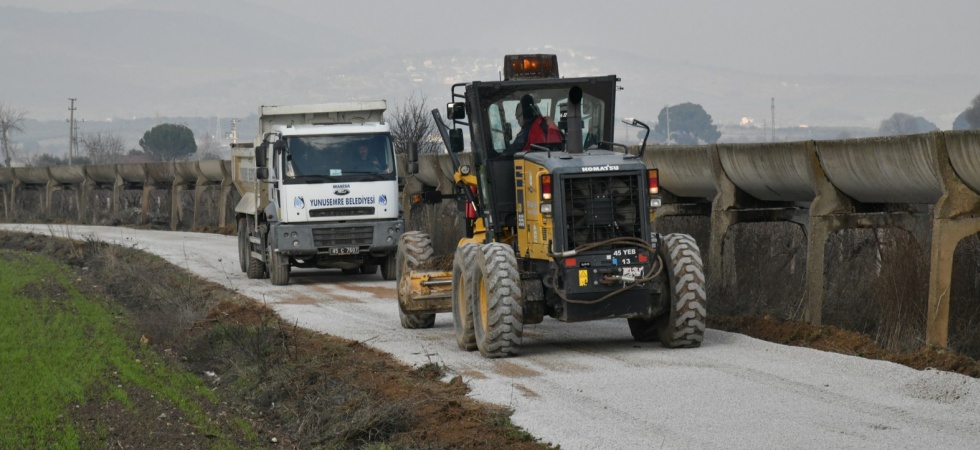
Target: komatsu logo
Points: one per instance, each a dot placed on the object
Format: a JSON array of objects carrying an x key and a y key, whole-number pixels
[{"x": 605, "y": 168}]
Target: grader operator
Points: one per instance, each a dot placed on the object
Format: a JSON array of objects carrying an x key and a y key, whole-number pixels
[{"x": 560, "y": 225}]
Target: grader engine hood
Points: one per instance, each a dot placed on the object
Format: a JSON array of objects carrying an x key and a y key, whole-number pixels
[{"x": 597, "y": 195}]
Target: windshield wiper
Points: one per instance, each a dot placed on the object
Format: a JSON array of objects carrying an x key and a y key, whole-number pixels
[
  {"x": 311, "y": 179},
  {"x": 368, "y": 176}
]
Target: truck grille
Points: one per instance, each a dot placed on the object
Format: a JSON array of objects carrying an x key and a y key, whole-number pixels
[
  {"x": 601, "y": 207},
  {"x": 343, "y": 236},
  {"x": 341, "y": 212}
]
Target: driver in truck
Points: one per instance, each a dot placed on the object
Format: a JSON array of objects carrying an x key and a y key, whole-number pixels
[{"x": 364, "y": 161}]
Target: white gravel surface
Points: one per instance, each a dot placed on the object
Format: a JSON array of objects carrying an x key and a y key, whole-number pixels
[{"x": 590, "y": 386}]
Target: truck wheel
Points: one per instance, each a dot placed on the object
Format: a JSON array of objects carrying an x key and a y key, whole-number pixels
[
  {"x": 369, "y": 269},
  {"x": 389, "y": 267},
  {"x": 414, "y": 249},
  {"x": 463, "y": 293},
  {"x": 256, "y": 268},
  {"x": 278, "y": 268},
  {"x": 243, "y": 244},
  {"x": 498, "y": 317},
  {"x": 683, "y": 325}
]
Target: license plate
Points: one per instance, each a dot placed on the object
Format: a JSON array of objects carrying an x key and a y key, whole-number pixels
[
  {"x": 633, "y": 271},
  {"x": 343, "y": 250}
]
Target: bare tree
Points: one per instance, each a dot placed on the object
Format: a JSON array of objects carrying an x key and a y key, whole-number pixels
[
  {"x": 103, "y": 147},
  {"x": 412, "y": 122},
  {"x": 902, "y": 124},
  {"x": 972, "y": 113},
  {"x": 10, "y": 123},
  {"x": 207, "y": 147}
]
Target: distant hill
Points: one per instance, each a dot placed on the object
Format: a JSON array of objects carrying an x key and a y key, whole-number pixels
[{"x": 225, "y": 58}]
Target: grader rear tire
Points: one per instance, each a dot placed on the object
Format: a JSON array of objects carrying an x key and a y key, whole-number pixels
[
  {"x": 414, "y": 249},
  {"x": 498, "y": 317},
  {"x": 683, "y": 324},
  {"x": 463, "y": 293}
]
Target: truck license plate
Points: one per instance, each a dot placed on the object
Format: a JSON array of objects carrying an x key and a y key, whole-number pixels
[{"x": 343, "y": 250}]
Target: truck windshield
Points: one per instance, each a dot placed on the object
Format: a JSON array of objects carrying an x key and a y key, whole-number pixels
[
  {"x": 359, "y": 157},
  {"x": 505, "y": 126}
]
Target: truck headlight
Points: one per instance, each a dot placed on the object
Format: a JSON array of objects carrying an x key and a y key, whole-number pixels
[
  {"x": 655, "y": 202},
  {"x": 546, "y": 208}
]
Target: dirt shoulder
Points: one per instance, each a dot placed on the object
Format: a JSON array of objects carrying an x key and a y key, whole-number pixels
[
  {"x": 284, "y": 386},
  {"x": 833, "y": 339},
  {"x": 294, "y": 388}
]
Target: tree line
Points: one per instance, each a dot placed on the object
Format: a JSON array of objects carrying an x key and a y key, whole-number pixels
[{"x": 682, "y": 124}]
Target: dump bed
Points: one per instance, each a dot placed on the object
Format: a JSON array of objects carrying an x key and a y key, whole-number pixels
[{"x": 321, "y": 114}]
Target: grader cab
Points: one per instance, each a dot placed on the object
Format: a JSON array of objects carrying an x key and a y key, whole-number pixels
[{"x": 560, "y": 228}]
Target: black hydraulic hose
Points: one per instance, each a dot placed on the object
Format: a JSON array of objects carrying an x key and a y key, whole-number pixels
[{"x": 656, "y": 268}]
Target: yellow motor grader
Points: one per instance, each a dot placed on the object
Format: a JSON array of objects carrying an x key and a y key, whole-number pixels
[{"x": 558, "y": 228}]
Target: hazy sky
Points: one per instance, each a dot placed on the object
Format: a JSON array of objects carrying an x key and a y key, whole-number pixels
[
  {"x": 826, "y": 62},
  {"x": 869, "y": 37}
]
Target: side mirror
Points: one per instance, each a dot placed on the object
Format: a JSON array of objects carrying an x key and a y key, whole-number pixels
[
  {"x": 456, "y": 140},
  {"x": 412, "y": 166},
  {"x": 262, "y": 173},
  {"x": 260, "y": 156},
  {"x": 456, "y": 110}
]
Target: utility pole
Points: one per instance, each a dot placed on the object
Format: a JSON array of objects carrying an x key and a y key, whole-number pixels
[
  {"x": 72, "y": 140},
  {"x": 234, "y": 131},
  {"x": 773, "y": 107}
]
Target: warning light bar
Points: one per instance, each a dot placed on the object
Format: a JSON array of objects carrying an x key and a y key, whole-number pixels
[{"x": 529, "y": 67}]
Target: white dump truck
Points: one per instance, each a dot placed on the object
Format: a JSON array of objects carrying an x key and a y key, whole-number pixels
[{"x": 319, "y": 189}]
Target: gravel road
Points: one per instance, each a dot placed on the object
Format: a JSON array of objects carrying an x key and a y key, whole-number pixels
[{"x": 590, "y": 386}]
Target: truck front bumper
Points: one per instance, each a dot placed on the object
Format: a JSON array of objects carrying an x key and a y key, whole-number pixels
[{"x": 348, "y": 238}]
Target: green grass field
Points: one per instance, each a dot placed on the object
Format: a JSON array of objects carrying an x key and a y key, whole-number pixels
[{"x": 59, "y": 348}]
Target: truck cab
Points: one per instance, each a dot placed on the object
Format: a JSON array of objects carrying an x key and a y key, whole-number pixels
[{"x": 325, "y": 192}]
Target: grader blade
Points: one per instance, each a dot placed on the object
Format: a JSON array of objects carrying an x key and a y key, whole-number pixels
[{"x": 426, "y": 292}]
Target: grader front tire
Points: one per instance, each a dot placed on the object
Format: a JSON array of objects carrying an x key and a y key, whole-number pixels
[{"x": 414, "y": 250}]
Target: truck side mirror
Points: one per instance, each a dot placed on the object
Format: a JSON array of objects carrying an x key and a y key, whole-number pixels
[
  {"x": 456, "y": 140},
  {"x": 413, "y": 158},
  {"x": 456, "y": 110},
  {"x": 262, "y": 173},
  {"x": 260, "y": 156}
]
